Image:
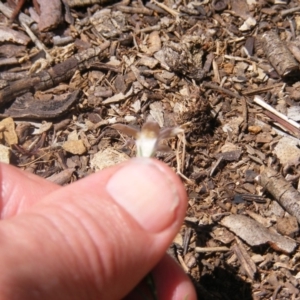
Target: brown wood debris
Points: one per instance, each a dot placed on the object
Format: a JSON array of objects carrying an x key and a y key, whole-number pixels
[
  {"x": 278, "y": 54},
  {"x": 256, "y": 234},
  {"x": 281, "y": 190},
  {"x": 225, "y": 72}
]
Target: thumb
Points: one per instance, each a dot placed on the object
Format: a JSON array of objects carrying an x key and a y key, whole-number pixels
[{"x": 94, "y": 239}]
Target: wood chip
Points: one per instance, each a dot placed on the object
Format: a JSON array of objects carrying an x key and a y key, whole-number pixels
[
  {"x": 12, "y": 36},
  {"x": 286, "y": 195},
  {"x": 74, "y": 147},
  {"x": 107, "y": 158},
  {"x": 255, "y": 234},
  {"x": 9, "y": 132},
  {"x": 4, "y": 154}
]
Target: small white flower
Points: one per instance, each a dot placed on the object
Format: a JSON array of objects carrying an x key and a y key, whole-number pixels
[{"x": 148, "y": 139}]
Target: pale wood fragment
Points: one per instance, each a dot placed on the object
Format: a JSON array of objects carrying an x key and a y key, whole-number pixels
[
  {"x": 278, "y": 54},
  {"x": 255, "y": 234},
  {"x": 281, "y": 190},
  {"x": 62, "y": 177}
]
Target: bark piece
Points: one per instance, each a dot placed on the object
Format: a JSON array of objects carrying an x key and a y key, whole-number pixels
[
  {"x": 4, "y": 154},
  {"x": 294, "y": 47},
  {"x": 185, "y": 57},
  {"x": 107, "y": 158},
  {"x": 10, "y": 35},
  {"x": 27, "y": 107},
  {"x": 62, "y": 177},
  {"x": 153, "y": 43},
  {"x": 223, "y": 235},
  {"x": 49, "y": 78},
  {"x": 281, "y": 190},
  {"x": 109, "y": 23},
  {"x": 287, "y": 150},
  {"x": 74, "y": 147},
  {"x": 156, "y": 111},
  {"x": 10, "y": 135},
  {"x": 287, "y": 226},
  {"x": 230, "y": 155},
  {"x": 240, "y": 7},
  {"x": 256, "y": 234},
  {"x": 278, "y": 54},
  {"x": 51, "y": 14}
]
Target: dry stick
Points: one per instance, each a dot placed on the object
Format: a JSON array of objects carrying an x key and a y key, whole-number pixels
[
  {"x": 285, "y": 124},
  {"x": 135, "y": 10},
  {"x": 173, "y": 12},
  {"x": 286, "y": 12},
  {"x": 245, "y": 260},
  {"x": 183, "y": 264},
  {"x": 37, "y": 42},
  {"x": 283, "y": 191},
  {"x": 237, "y": 58},
  {"x": 33, "y": 161},
  {"x": 261, "y": 90},
  {"x": 215, "y": 166},
  {"x": 278, "y": 117},
  {"x": 51, "y": 77},
  {"x": 216, "y": 72},
  {"x": 245, "y": 113},
  {"x": 211, "y": 249},
  {"x": 278, "y": 54},
  {"x": 81, "y": 3},
  {"x": 180, "y": 162},
  {"x": 221, "y": 90}
]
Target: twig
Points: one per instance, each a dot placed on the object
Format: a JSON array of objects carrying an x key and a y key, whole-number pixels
[
  {"x": 135, "y": 10},
  {"x": 221, "y": 90},
  {"x": 211, "y": 249},
  {"x": 215, "y": 166},
  {"x": 261, "y": 90},
  {"x": 283, "y": 191},
  {"x": 245, "y": 113},
  {"x": 246, "y": 262},
  {"x": 278, "y": 117},
  {"x": 183, "y": 264},
  {"x": 51, "y": 77},
  {"x": 288, "y": 11},
  {"x": 173, "y": 12},
  {"x": 37, "y": 42}
]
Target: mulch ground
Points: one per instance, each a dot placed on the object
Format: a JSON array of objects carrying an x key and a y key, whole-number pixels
[{"x": 226, "y": 72}]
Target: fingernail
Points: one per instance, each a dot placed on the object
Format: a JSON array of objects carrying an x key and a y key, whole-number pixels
[{"x": 146, "y": 192}]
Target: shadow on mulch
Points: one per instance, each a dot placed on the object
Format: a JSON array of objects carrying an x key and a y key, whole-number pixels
[{"x": 223, "y": 284}]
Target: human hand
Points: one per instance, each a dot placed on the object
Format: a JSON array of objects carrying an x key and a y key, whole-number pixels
[{"x": 94, "y": 239}]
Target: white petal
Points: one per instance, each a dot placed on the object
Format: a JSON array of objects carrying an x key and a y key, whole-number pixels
[{"x": 145, "y": 146}]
